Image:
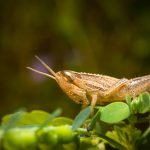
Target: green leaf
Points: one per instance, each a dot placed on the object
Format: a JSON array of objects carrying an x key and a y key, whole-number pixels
[
  {"x": 12, "y": 120},
  {"x": 38, "y": 116},
  {"x": 144, "y": 100},
  {"x": 135, "y": 105},
  {"x": 57, "y": 112},
  {"x": 7, "y": 118},
  {"x": 112, "y": 141},
  {"x": 115, "y": 112},
  {"x": 93, "y": 121},
  {"x": 141, "y": 104},
  {"x": 81, "y": 117},
  {"x": 61, "y": 121},
  {"x": 34, "y": 117},
  {"x": 125, "y": 135},
  {"x": 54, "y": 114}
]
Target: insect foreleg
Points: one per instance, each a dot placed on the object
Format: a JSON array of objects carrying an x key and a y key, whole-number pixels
[{"x": 94, "y": 100}]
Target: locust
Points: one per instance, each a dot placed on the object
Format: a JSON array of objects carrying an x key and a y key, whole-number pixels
[{"x": 92, "y": 89}]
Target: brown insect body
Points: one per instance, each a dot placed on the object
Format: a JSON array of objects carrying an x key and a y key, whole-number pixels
[
  {"x": 86, "y": 88},
  {"x": 79, "y": 86},
  {"x": 139, "y": 84}
]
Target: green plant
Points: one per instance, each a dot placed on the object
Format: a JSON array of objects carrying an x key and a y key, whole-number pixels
[{"x": 115, "y": 125}]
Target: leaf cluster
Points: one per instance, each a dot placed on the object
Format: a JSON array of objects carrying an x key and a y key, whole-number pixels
[{"x": 116, "y": 125}]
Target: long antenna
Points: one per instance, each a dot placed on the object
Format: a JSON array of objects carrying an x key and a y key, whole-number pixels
[
  {"x": 43, "y": 73},
  {"x": 46, "y": 66},
  {"x": 39, "y": 72}
]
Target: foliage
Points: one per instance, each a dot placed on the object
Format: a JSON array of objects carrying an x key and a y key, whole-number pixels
[{"x": 114, "y": 125}]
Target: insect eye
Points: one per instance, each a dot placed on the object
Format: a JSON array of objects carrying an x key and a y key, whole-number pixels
[{"x": 68, "y": 76}]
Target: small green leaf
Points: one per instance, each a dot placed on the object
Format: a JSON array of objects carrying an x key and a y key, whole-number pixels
[
  {"x": 135, "y": 105},
  {"x": 115, "y": 112},
  {"x": 61, "y": 121},
  {"x": 144, "y": 100},
  {"x": 81, "y": 117},
  {"x": 6, "y": 119},
  {"x": 93, "y": 121},
  {"x": 128, "y": 99},
  {"x": 38, "y": 116},
  {"x": 141, "y": 104},
  {"x": 56, "y": 112}
]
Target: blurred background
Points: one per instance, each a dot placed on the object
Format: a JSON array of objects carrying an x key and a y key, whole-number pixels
[{"x": 105, "y": 37}]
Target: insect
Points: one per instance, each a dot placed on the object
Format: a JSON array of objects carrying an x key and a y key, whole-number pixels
[{"x": 87, "y": 88}]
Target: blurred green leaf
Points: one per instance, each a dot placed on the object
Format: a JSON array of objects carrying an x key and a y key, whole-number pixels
[
  {"x": 65, "y": 133},
  {"x": 61, "y": 121},
  {"x": 20, "y": 139},
  {"x": 115, "y": 112},
  {"x": 38, "y": 116},
  {"x": 11, "y": 120},
  {"x": 52, "y": 135},
  {"x": 81, "y": 117},
  {"x": 34, "y": 117},
  {"x": 56, "y": 112}
]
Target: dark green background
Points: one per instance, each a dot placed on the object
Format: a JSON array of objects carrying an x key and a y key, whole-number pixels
[{"x": 97, "y": 36}]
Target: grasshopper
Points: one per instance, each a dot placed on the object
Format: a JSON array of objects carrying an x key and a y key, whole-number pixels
[{"x": 88, "y": 88}]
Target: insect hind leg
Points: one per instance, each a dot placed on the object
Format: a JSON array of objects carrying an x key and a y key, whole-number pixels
[{"x": 115, "y": 88}]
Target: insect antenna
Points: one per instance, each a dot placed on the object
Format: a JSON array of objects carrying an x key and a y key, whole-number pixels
[
  {"x": 54, "y": 76},
  {"x": 46, "y": 66},
  {"x": 40, "y": 72}
]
